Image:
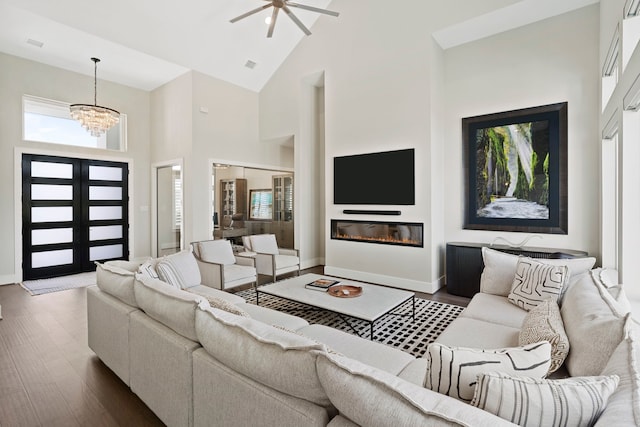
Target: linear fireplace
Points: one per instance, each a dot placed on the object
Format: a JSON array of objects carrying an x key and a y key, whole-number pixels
[{"x": 384, "y": 232}]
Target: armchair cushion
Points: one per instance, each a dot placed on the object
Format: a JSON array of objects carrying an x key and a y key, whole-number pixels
[
  {"x": 285, "y": 261},
  {"x": 218, "y": 251},
  {"x": 235, "y": 272},
  {"x": 179, "y": 270},
  {"x": 264, "y": 243}
]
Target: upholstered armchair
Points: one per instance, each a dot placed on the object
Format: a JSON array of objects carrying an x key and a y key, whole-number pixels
[
  {"x": 270, "y": 259},
  {"x": 221, "y": 267}
]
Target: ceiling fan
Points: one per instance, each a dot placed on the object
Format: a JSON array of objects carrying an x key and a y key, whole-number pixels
[{"x": 284, "y": 5}]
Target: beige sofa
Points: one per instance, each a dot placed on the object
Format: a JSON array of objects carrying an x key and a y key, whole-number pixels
[{"x": 194, "y": 363}]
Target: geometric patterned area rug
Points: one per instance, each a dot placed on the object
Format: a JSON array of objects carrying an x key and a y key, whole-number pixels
[
  {"x": 432, "y": 317},
  {"x": 62, "y": 283}
]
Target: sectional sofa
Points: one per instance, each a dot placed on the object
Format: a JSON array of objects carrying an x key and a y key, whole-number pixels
[{"x": 198, "y": 356}]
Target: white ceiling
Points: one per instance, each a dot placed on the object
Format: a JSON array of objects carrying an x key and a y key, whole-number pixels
[{"x": 146, "y": 43}]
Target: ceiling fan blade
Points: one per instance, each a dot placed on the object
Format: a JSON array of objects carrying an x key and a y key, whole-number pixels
[
  {"x": 295, "y": 19},
  {"x": 313, "y": 9},
  {"x": 272, "y": 24},
  {"x": 251, "y": 12}
]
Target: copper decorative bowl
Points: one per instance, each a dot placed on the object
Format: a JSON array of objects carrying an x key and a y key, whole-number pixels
[{"x": 345, "y": 291}]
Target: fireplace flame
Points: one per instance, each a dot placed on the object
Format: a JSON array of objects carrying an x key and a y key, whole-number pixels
[{"x": 384, "y": 239}]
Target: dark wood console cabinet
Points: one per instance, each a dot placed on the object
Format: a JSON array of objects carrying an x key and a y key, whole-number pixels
[{"x": 464, "y": 263}]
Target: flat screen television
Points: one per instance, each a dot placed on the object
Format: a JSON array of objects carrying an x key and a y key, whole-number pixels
[{"x": 384, "y": 178}]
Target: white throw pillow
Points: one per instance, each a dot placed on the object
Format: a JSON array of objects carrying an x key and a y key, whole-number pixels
[
  {"x": 535, "y": 282},
  {"x": 544, "y": 323},
  {"x": 500, "y": 269},
  {"x": 148, "y": 268},
  {"x": 577, "y": 401},
  {"x": 180, "y": 270},
  {"x": 453, "y": 370}
]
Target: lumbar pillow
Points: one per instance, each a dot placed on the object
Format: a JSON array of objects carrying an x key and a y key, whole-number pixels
[
  {"x": 535, "y": 282},
  {"x": 500, "y": 269},
  {"x": 577, "y": 401},
  {"x": 544, "y": 323},
  {"x": 453, "y": 370}
]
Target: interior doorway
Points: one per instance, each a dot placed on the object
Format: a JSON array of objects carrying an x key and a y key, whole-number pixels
[
  {"x": 74, "y": 212},
  {"x": 252, "y": 200},
  {"x": 167, "y": 218}
]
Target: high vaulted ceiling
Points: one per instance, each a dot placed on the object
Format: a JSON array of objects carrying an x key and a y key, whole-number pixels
[{"x": 146, "y": 43}]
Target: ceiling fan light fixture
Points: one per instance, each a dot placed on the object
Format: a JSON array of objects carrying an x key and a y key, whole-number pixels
[
  {"x": 284, "y": 5},
  {"x": 95, "y": 118}
]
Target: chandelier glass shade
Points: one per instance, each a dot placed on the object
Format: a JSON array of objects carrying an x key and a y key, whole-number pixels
[{"x": 95, "y": 118}]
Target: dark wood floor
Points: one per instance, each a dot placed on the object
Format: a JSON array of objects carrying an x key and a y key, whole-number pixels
[{"x": 50, "y": 377}]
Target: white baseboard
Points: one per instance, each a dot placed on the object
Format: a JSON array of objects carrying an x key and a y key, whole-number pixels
[
  {"x": 8, "y": 279},
  {"x": 396, "y": 282},
  {"x": 308, "y": 263}
]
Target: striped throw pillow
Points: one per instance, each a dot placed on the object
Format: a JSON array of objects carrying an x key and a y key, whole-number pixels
[
  {"x": 179, "y": 270},
  {"x": 453, "y": 370},
  {"x": 535, "y": 282},
  {"x": 576, "y": 401}
]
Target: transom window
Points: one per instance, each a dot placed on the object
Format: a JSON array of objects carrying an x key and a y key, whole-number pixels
[{"x": 45, "y": 120}]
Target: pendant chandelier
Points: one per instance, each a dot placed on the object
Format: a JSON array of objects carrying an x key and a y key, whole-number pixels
[{"x": 94, "y": 118}]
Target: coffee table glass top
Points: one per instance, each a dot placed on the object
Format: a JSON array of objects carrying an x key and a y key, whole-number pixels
[{"x": 375, "y": 301}]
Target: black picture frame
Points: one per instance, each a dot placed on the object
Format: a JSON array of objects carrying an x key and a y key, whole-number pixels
[{"x": 496, "y": 147}]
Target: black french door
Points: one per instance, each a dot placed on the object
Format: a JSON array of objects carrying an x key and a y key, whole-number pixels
[{"x": 74, "y": 212}]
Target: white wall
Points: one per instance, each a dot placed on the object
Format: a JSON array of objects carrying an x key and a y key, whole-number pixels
[
  {"x": 388, "y": 86},
  {"x": 538, "y": 64},
  {"x": 19, "y": 77}
]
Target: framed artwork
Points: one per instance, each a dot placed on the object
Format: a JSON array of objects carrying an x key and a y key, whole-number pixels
[
  {"x": 261, "y": 204},
  {"x": 515, "y": 165}
]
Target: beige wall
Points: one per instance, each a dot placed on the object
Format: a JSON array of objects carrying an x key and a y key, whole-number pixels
[
  {"x": 19, "y": 77},
  {"x": 390, "y": 87},
  {"x": 538, "y": 64}
]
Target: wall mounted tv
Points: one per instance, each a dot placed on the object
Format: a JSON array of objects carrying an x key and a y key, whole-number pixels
[{"x": 384, "y": 178}]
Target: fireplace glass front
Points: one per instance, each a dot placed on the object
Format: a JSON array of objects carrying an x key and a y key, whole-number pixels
[{"x": 384, "y": 232}]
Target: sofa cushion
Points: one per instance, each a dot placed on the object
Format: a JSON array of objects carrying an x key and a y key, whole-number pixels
[
  {"x": 544, "y": 323},
  {"x": 623, "y": 408},
  {"x": 274, "y": 317},
  {"x": 374, "y": 398},
  {"x": 264, "y": 243},
  {"x": 535, "y": 282},
  {"x": 502, "y": 311},
  {"x": 468, "y": 332},
  {"x": 208, "y": 292},
  {"x": 533, "y": 402},
  {"x": 276, "y": 358},
  {"x": 590, "y": 315},
  {"x": 221, "y": 304},
  {"x": 218, "y": 251},
  {"x": 179, "y": 270},
  {"x": 172, "y": 307},
  {"x": 378, "y": 355},
  {"x": 453, "y": 370},
  {"x": 500, "y": 269},
  {"x": 116, "y": 278}
]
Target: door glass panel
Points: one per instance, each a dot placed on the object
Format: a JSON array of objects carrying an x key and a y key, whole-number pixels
[
  {"x": 51, "y": 192},
  {"x": 169, "y": 209},
  {"x": 105, "y": 193},
  {"x": 105, "y": 252},
  {"x": 52, "y": 214},
  {"x": 51, "y": 258},
  {"x": 105, "y": 173},
  {"x": 51, "y": 235},
  {"x": 104, "y": 212},
  {"x": 51, "y": 170},
  {"x": 105, "y": 232}
]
